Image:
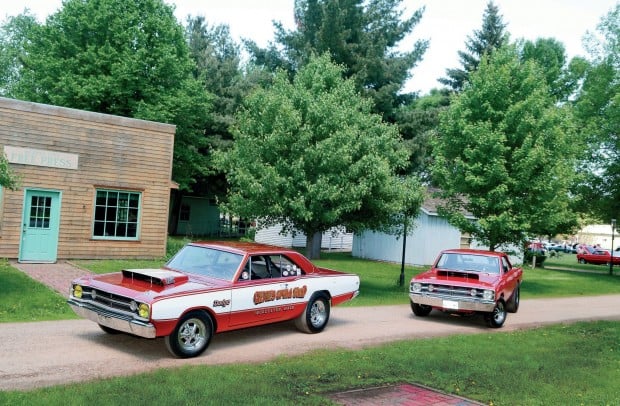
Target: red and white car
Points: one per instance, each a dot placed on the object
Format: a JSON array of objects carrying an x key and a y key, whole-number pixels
[
  {"x": 212, "y": 287},
  {"x": 468, "y": 281}
]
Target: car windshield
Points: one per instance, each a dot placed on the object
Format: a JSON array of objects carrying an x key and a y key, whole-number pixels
[
  {"x": 206, "y": 262},
  {"x": 468, "y": 262}
]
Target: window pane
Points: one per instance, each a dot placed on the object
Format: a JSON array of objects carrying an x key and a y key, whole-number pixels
[{"x": 116, "y": 214}]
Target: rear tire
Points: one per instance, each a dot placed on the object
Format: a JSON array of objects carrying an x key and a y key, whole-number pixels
[
  {"x": 315, "y": 316},
  {"x": 191, "y": 336}
]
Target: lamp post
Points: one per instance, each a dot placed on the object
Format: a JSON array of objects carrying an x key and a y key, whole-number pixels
[{"x": 611, "y": 260}]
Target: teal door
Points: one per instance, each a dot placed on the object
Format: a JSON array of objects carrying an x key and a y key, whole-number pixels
[{"x": 40, "y": 226}]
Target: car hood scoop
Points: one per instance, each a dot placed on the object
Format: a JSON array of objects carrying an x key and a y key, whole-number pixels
[
  {"x": 160, "y": 277},
  {"x": 458, "y": 274}
]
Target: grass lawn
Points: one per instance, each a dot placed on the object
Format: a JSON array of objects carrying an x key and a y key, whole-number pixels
[
  {"x": 566, "y": 364},
  {"x": 575, "y": 364}
]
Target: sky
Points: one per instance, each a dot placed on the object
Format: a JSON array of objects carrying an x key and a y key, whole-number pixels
[{"x": 445, "y": 23}]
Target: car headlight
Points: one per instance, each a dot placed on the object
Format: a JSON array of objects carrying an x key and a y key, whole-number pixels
[
  {"x": 473, "y": 292},
  {"x": 488, "y": 295},
  {"x": 143, "y": 310},
  {"x": 416, "y": 287},
  {"x": 77, "y": 291},
  {"x": 430, "y": 288}
]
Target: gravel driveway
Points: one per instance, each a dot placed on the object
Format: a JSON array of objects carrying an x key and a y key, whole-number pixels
[{"x": 40, "y": 354}]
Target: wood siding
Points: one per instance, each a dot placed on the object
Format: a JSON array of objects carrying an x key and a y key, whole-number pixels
[{"x": 114, "y": 153}]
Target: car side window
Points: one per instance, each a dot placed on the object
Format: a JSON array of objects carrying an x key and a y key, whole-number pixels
[
  {"x": 282, "y": 266},
  {"x": 505, "y": 265}
]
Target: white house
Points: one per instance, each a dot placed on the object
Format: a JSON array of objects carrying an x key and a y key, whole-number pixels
[
  {"x": 429, "y": 234},
  {"x": 334, "y": 239}
]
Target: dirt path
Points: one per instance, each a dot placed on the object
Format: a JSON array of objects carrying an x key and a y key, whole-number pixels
[{"x": 43, "y": 354}]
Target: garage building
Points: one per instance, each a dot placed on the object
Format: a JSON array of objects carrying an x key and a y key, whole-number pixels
[{"x": 92, "y": 185}]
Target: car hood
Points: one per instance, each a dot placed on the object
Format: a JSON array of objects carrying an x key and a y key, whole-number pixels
[
  {"x": 150, "y": 284},
  {"x": 458, "y": 278}
]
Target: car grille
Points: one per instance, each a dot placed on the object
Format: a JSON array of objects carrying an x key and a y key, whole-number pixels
[
  {"x": 452, "y": 292},
  {"x": 107, "y": 300}
]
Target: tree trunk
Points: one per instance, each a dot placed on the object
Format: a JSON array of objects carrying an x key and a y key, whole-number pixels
[{"x": 313, "y": 245}]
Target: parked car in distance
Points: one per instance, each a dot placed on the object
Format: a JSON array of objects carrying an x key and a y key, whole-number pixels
[
  {"x": 468, "y": 281},
  {"x": 598, "y": 257},
  {"x": 535, "y": 249},
  {"x": 211, "y": 287}
]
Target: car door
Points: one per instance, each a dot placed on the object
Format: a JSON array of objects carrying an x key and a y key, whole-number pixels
[{"x": 257, "y": 297}]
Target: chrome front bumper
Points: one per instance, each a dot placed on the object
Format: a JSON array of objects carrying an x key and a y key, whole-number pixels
[
  {"x": 115, "y": 321},
  {"x": 452, "y": 303}
]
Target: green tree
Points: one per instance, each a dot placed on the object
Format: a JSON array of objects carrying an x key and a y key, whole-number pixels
[
  {"x": 562, "y": 78},
  {"x": 362, "y": 36},
  {"x": 485, "y": 41},
  {"x": 598, "y": 110},
  {"x": 417, "y": 123},
  {"x": 505, "y": 154},
  {"x": 8, "y": 178},
  {"x": 310, "y": 155},
  {"x": 121, "y": 57}
]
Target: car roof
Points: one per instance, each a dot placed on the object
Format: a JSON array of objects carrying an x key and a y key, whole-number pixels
[
  {"x": 473, "y": 251},
  {"x": 243, "y": 247}
]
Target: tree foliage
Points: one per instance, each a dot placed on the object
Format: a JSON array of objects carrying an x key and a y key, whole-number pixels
[
  {"x": 310, "y": 155},
  {"x": 598, "y": 110},
  {"x": 561, "y": 77},
  {"x": 485, "y": 41},
  {"x": 127, "y": 58},
  {"x": 8, "y": 178},
  {"x": 505, "y": 154},
  {"x": 362, "y": 36}
]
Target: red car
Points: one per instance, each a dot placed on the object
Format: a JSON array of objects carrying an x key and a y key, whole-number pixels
[
  {"x": 468, "y": 281},
  {"x": 208, "y": 288},
  {"x": 598, "y": 256}
]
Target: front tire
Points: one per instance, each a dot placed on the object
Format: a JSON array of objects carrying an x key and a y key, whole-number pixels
[
  {"x": 109, "y": 330},
  {"x": 315, "y": 316},
  {"x": 582, "y": 261},
  {"x": 420, "y": 310},
  {"x": 497, "y": 317},
  {"x": 191, "y": 336}
]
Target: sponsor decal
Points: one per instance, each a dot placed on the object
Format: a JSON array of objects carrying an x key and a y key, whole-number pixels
[
  {"x": 263, "y": 296},
  {"x": 221, "y": 303},
  {"x": 276, "y": 309}
]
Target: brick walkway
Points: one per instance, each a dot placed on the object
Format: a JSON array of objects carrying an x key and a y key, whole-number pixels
[
  {"x": 57, "y": 276},
  {"x": 403, "y": 394}
]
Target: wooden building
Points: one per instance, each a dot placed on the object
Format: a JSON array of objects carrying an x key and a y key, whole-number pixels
[{"x": 92, "y": 185}]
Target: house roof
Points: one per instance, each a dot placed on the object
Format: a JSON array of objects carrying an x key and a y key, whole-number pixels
[{"x": 431, "y": 204}]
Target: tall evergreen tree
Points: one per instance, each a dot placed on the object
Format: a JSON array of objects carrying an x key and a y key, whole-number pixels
[
  {"x": 490, "y": 37},
  {"x": 360, "y": 35}
]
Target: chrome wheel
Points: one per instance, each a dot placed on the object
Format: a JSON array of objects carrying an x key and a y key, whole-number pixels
[
  {"x": 498, "y": 316},
  {"x": 318, "y": 314},
  {"x": 191, "y": 336}
]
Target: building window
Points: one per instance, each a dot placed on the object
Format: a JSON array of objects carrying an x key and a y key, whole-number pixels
[
  {"x": 116, "y": 215},
  {"x": 40, "y": 209},
  {"x": 185, "y": 210}
]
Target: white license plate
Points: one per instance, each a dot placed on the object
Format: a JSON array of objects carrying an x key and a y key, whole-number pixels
[{"x": 450, "y": 304}]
